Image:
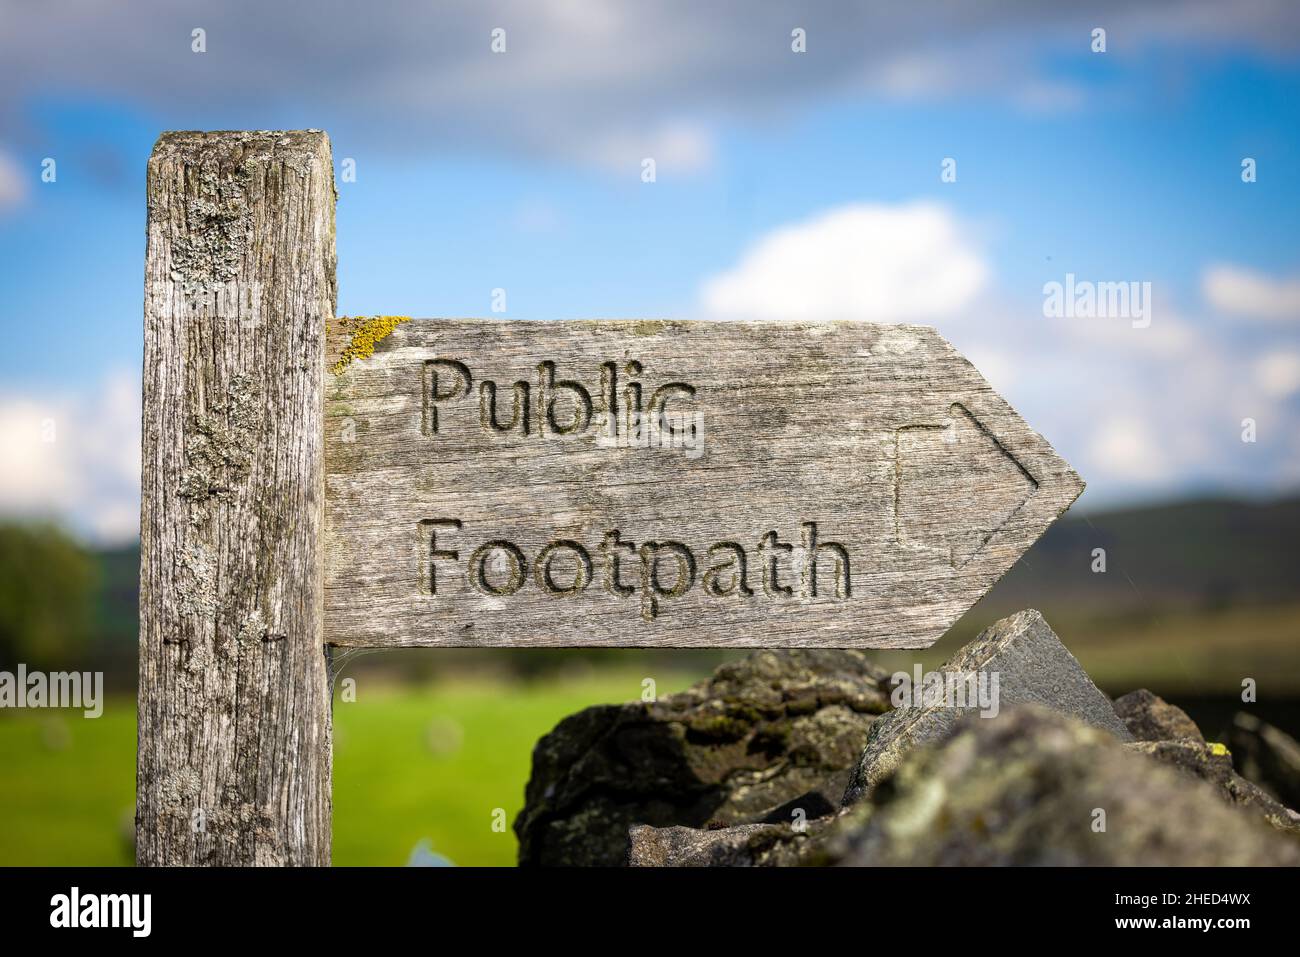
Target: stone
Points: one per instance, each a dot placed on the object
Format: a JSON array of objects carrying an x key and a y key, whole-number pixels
[
  {"x": 745, "y": 845},
  {"x": 1267, "y": 756},
  {"x": 1027, "y": 789},
  {"x": 1032, "y": 667},
  {"x": 1213, "y": 763},
  {"x": 765, "y": 736},
  {"x": 1151, "y": 718}
]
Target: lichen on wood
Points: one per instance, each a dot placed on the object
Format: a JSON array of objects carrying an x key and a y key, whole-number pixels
[{"x": 366, "y": 334}]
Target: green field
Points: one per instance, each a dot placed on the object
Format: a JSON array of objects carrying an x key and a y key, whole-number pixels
[
  {"x": 410, "y": 765},
  {"x": 1170, "y": 652},
  {"x": 431, "y": 762}
]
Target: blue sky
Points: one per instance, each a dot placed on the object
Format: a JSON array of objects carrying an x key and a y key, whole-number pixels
[{"x": 808, "y": 178}]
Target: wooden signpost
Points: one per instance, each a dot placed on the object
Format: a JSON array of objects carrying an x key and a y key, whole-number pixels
[
  {"x": 312, "y": 482},
  {"x": 689, "y": 484}
]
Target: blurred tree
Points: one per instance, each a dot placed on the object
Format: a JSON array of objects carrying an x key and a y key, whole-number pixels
[{"x": 47, "y": 594}]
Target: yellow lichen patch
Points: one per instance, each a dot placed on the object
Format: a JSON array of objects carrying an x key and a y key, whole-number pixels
[
  {"x": 366, "y": 333},
  {"x": 1216, "y": 749}
]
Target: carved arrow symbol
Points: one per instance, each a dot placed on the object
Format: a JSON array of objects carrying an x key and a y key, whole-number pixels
[{"x": 958, "y": 517}]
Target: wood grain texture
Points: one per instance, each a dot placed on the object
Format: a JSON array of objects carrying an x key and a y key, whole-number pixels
[
  {"x": 883, "y": 437},
  {"x": 234, "y": 702}
]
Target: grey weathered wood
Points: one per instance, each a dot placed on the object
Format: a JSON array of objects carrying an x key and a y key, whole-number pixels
[
  {"x": 234, "y": 703},
  {"x": 883, "y": 436}
]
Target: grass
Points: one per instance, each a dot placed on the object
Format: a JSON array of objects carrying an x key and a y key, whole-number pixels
[
  {"x": 432, "y": 763},
  {"x": 1171, "y": 652},
  {"x": 68, "y": 789},
  {"x": 411, "y": 765},
  {"x": 1207, "y": 653}
]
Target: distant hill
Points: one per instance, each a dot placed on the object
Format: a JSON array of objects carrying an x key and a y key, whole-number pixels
[
  {"x": 1196, "y": 597},
  {"x": 1196, "y": 555},
  {"x": 117, "y": 603}
]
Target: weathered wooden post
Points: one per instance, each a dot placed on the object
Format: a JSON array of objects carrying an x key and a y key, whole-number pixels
[{"x": 234, "y": 702}]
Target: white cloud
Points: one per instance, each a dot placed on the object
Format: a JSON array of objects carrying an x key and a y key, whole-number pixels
[
  {"x": 576, "y": 76},
  {"x": 74, "y": 458},
  {"x": 1134, "y": 415},
  {"x": 914, "y": 75},
  {"x": 681, "y": 148},
  {"x": 1279, "y": 374},
  {"x": 1125, "y": 446},
  {"x": 907, "y": 263},
  {"x": 1239, "y": 291},
  {"x": 13, "y": 186},
  {"x": 1169, "y": 335}
]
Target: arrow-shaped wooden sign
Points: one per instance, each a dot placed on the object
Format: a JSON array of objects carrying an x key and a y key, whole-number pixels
[{"x": 668, "y": 484}]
